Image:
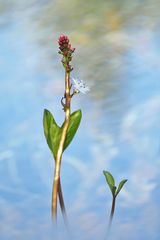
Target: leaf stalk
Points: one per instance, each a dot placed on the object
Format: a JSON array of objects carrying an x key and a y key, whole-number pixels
[{"x": 61, "y": 146}]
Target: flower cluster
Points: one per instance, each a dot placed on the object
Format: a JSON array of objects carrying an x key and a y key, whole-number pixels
[
  {"x": 64, "y": 46},
  {"x": 66, "y": 50}
]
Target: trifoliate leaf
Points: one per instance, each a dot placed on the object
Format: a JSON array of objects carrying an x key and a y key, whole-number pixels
[
  {"x": 121, "y": 185},
  {"x": 53, "y": 132}
]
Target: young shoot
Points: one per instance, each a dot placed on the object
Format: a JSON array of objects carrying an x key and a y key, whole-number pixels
[{"x": 114, "y": 191}]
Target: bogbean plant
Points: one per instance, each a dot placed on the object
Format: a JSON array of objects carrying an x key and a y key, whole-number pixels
[{"x": 59, "y": 137}]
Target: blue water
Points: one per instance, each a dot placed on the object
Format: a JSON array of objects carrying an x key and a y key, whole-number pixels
[{"x": 118, "y": 57}]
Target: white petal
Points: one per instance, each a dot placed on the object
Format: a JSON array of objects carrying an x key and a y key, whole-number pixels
[{"x": 79, "y": 85}]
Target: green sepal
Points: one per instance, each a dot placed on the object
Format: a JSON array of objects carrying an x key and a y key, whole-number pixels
[{"x": 121, "y": 184}]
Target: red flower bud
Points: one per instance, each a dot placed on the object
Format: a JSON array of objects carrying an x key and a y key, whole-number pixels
[
  {"x": 65, "y": 47},
  {"x": 61, "y": 37}
]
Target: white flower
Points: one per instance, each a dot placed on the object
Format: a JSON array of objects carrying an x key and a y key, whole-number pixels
[{"x": 79, "y": 86}]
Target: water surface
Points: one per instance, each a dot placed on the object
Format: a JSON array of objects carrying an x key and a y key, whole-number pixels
[{"x": 117, "y": 54}]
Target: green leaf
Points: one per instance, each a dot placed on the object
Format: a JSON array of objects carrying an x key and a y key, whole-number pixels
[
  {"x": 113, "y": 190},
  {"x": 121, "y": 185},
  {"x": 109, "y": 178},
  {"x": 75, "y": 120},
  {"x": 110, "y": 181},
  {"x": 52, "y": 132}
]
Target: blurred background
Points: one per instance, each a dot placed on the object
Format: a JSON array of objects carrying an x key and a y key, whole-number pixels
[{"x": 117, "y": 55}]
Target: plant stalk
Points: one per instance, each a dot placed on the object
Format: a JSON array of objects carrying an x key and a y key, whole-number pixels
[
  {"x": 61, "y": 146},
  {"x": 61, "y": 200},
  {"x": 112, "y": 211}
]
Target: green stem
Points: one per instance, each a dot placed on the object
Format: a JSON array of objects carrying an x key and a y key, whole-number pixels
[
  {"x": 112, "y": 211},
  {"x": 61, "y": 200},
  {"x": 61, "y": 145}
]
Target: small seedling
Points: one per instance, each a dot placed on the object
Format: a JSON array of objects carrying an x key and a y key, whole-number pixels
[{"x": 114, "y": 190}]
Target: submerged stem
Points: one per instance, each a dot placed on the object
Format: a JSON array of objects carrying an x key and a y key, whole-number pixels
[
  {"x": 61, "y": 200},
  {"x": 112, "y": 212}
]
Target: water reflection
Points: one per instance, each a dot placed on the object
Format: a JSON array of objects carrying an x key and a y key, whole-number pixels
[{"x": 118, "y": 56}]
